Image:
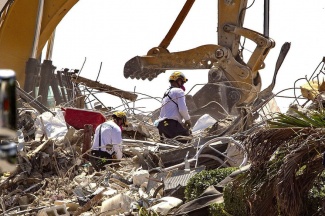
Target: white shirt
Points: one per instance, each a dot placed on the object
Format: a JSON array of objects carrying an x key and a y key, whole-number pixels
[
  {"x": 170, "y": 110},
  {"x": 111, "y": 134}
]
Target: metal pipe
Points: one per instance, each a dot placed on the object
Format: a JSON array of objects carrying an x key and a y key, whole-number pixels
[
  {"x": 266, "y": 17},
  {"x": 177, "y": 24},
  {"x": 179, "y": 165},
  {"x": 50, "y": 45},
  {"x": 37, "y": 28}
]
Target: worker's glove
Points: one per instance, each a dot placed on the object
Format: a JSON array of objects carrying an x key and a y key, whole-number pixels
[{"x": 188, "y": 124}]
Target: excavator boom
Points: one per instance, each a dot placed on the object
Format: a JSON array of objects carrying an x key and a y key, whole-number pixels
[
  {"x": 17, "y": 30},
  {"x": 240, "y": 80},
  {"x": 232, "y": 81}
]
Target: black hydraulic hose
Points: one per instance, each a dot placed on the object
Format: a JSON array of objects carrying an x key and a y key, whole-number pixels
[{"x": 266, "y": 17}]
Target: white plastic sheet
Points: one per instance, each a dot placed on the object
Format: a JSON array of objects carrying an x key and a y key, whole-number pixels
[
  {"x": 54, "y": 126},
  {"x": 204, "y": 122},
  {"x": 166, "y": 204}
]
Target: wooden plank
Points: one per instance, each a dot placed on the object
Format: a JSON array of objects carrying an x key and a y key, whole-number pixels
[
  {"x": 90, "y": 203},
  {"x": 88, "y": 131}
]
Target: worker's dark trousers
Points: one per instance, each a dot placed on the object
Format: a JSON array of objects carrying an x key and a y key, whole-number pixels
[
  {"x": 100, "y": 159},
  {"x": 170, "y": 128}
]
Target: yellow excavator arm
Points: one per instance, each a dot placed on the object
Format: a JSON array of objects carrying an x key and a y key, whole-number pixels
[
  {"x": 17, "y": 30},
  {"x": 21, "y": 45},
  {"x": 224, "y": 59}
]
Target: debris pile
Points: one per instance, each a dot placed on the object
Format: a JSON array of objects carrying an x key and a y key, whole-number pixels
[{"x": 55, "y": 175}]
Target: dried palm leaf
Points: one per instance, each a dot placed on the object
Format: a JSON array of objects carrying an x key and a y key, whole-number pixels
[{"x": 285, "y": 163}]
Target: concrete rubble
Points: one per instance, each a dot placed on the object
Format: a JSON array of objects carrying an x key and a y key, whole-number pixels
[{"x": 55, "y": 177}]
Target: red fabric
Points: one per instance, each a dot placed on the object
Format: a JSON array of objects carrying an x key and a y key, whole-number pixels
[{"x": 77, "y": 118}]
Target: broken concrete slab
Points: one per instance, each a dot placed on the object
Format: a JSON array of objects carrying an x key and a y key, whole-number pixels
[
  {"x": 54, "y": 211},
  {"x": 165, "y": 205},
  {"x": 117, "y": 204},
  {"x": 139, "y": 177}
]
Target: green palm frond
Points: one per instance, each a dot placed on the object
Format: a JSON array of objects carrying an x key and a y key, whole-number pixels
[
  {"x": 313, "y": 119},
  {"x": 316, "y": 119}
]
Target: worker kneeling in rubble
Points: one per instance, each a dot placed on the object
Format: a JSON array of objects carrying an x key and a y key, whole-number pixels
[
  {"x": 174, "y": 110},
  {"x": 107, "y": 141}
]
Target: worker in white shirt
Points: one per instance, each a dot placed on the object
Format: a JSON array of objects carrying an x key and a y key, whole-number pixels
[
  {"x": 107, "y": 143},
  {"x": 174, "y": 110}
]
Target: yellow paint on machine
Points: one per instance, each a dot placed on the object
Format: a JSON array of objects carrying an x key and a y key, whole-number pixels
[{"x": 17, "y": 29}]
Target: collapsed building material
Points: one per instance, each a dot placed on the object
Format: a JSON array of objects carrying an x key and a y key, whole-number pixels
[
  {"x": 54, "y": 211},
  {"x": 165, "y": 205},
  {"x": 70, "y": 205},
  {"x": 161, "y": 146},
  {"x": 172, "y": 183},
  {"x": 105, "y": 88},
  {"x": 62, "y": 87},
  {"x": 203, "y": 122},
  {"x": 66, "y": 86},
  {"x": 98, "y": 196},
  {"x": 61, "y": 158},
  {"x": 214, "y": 146},
  {"x": 88, "y": 131},
  {"x": 32, "y": 101},
  {"x": 47, "y": 79},
  {"x": 140, "y": 177},
  {"x": 5, "y": 166},
  {"x": 70, "y": 91},
  {"x": 59, "y": 163},
  {"x": 120, "y": 203},
  {"x": 174, "y": 158},
  {"x": 26, "y": 122},
  {"x": 50, "y": 126}
]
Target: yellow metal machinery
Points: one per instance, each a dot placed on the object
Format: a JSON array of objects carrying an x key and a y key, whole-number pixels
[
  {"x": 240, "y": 80},
  {"x": 234, "y": 84},
  {"x": 26, "y": 26},
  {"x": 19, "y": 40}
]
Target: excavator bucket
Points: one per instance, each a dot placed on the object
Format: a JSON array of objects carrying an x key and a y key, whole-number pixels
[{"x": 158, "y": 60}]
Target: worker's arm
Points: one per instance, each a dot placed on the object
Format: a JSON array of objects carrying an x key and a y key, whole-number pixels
[
  {"x": 116, "y": 139},
  {"x": 182, "y": 108},
  {"x": 116, "y": 136}
]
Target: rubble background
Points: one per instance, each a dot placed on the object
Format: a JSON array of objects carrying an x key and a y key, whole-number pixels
[{"x": 54, "y": 175}]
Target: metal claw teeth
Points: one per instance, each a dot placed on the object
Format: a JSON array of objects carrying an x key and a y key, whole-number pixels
[
  {"x": 135, "y": 69},
  {"x": 132, "y": 67}
]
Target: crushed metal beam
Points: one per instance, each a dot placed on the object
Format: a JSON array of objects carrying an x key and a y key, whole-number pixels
[
  {"x": 32, "y": 101},
  {"x": 105, "y": 88}
]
